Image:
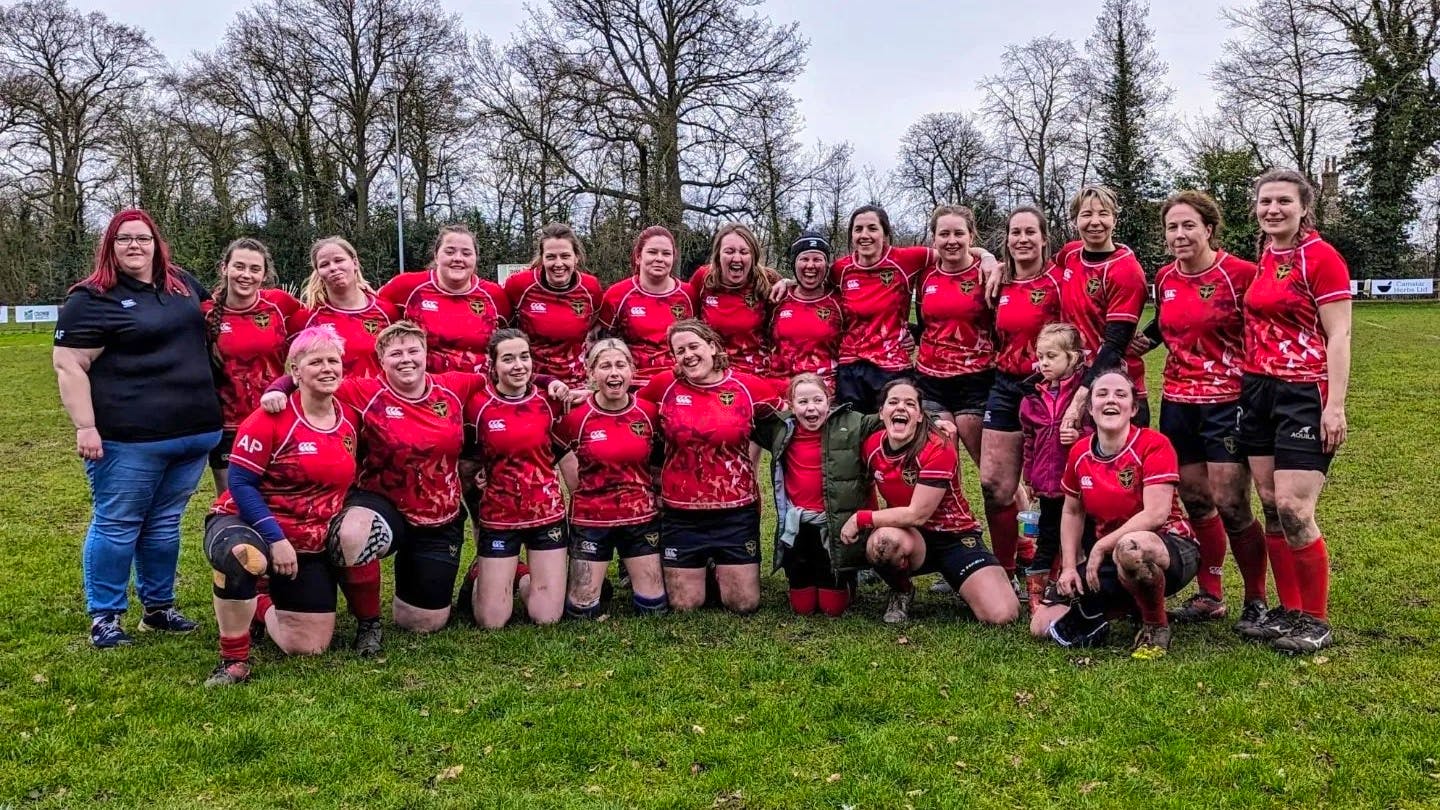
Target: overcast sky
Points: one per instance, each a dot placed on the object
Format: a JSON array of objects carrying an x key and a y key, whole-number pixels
[{"x": 903, "y": 58}]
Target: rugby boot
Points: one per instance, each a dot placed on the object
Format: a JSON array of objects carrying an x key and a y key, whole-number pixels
[
  {"x": 1307, "y": 635},
  {"x": 1202, "y": 607},
  {"x": 229, "y": 673}
]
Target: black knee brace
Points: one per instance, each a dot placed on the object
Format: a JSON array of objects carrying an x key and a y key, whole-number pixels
[{"x": 239, "y": 558}]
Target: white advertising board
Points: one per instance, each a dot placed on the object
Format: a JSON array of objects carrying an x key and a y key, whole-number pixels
[
  {"x": 1402, "y": 286},
  {"x": 37, "y": 314},
  {"x": 504, "y": 271}
]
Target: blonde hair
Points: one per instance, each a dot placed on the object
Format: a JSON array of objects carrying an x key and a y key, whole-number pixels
[
  {"x": 805, "y": 378},
  {"x": 760, "y": 275},
  {"x": 961, "y": 211},
  {"x": 1104, "y": 194},
  {"x": 603, "y": 345},
  {"x": 310, "y": 341},
  {"x": 397, "y": 331},
  {"x": 1066, "y": 338},
  {"x": 314, "y": 293}
]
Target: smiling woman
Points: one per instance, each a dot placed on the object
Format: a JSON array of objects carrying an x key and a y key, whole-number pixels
[{"x": 135, "y": 380}]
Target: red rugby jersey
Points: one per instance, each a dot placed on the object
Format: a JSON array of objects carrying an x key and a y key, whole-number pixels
[
  {"x": 557, "y": 322},
  {"x": 357, "y": 327},
  {"x": 1283, "y": 334},
  {"x": 616, "y": 486},
  {"x": 738, "y": 316},
  {"x": 1024, "y": 308},
  {"x": 1112, "y": 490},
  {"x": 304, "y": 471},
  {"x": 1093, "y": 294},
  {"x": 641, "y": 319},
  {"x": 515, "y": 440},
  {"x": 804, "y": 481},
  {"x": 412, "y": 446},
  {"x": 876, "y": 305},
  {"x": 457, "y": 325},
  {"x": 805, "y": 336},
  {"x": 938, "y": 465},
  {"x": 252, "y": 348},
  {"x": 958, "y": 326},
  {"x": 707, "y": 438},
  {"x": 1202, "y": 321}
]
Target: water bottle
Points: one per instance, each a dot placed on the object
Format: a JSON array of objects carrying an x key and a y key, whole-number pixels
[{"x": 1029, "y": 534}]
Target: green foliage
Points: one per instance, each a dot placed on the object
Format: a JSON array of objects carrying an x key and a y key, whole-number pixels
[{"x": 768, "y": 711}]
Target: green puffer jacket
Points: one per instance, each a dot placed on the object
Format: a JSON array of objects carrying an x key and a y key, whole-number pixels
[{"x": 847, "y": 488}]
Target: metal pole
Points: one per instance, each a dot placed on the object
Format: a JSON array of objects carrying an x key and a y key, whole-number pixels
[{"x": 399, "y": 194}]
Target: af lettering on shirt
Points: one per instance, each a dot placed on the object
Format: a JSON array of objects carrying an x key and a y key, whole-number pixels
[
  {"x": 738, "y": 316},
  {"x": 1112, "y": 490},
  {"x": 556, "y": 321},
  {"x": 251, "y": 344},
  {"x": 1202, "y": 321},
  {"x": 805, "y": 336},
  {"x": 357, "y": 327},
  {"x": 613, "y": 449},
  {"x": 304, "y": 471},
  {"x": 876, "y": 305},
  {"x": 958, "y": 326},
  {"x": 1284, "y": 337},
  {"x": 707, "y": 429},
  {"x": 515, "y": 440},
  {"x": 457, "y": 325},
  {"x": 412, "y": 446},
  {"x": 937, "y": 465},
  {"x": 1096, "y": 293},
  {"x": 1024, "y": 308},
  {"x": 641, "y": 319}
]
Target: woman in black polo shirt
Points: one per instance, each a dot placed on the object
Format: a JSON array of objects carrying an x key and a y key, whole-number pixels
[{"x": 135, "y": 379}]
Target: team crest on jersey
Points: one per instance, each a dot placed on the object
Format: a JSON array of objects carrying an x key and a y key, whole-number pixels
[
  {"x": 261, "y": 319},
  {"x": 639, "y": 429},
  {"x": 578, "y": 307},
  {"x": 910, "y": 476},
  {"x": 349, "y": 444},
  {"x": 823, "y": 313},
  {"x": 750, "y": 300},
  {"x": 1092, "y": 287},
  {"x": 967, "y": 287},
  {"x": 441, "y": 408},
  {"x": 887, "y": 276},
  {"x": 1126, "y": 477},
  {"x": 1206, "y": 290},
  {"x": 371, "y": 325},
  {"x": 727, "y": 398},
  {"x": 477, "y": 307},
  {"x": 652, "y": 538},
  {"x": 678, "y": 310},
  {"x": 1282, "y": 272},
  {"x": 555, "y": 534},
  {"x": 1037, "y": 297}
]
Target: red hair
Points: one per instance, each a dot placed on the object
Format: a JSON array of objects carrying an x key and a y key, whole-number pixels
[
  {"x": 105, "y": 274},
  {"x": 645, "y": 236}
]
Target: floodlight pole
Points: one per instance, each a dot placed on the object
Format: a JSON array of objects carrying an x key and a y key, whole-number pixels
[{"x": 399, "y": 193}]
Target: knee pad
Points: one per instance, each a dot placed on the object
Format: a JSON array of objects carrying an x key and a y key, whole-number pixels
[
  {"x": 378, "y": 541},
  {"x": 575, "y": 611},
  {"x": 650, "y": 605},
  {"x": 239, "y": 558}
]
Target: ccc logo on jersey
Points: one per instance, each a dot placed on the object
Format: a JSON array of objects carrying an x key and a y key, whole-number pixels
[
  {"x": 261, "y": 319},
  {"x": 1126, "y": 477},
  {"x": 727, "y": 398},
  {"x": 1092, "y": 287},
  {"x": 1037, "y": 297},
  {"x": 478, "y": 307},
  {"x": 441, "y": 408},
  {"x": 1206, "y": 290}
]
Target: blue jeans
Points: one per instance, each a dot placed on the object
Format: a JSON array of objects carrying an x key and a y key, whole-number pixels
[{"x": 139, "y": 490}]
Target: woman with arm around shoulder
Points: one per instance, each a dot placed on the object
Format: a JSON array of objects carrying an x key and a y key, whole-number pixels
[
  {"x": 135, "y": 379},
  {"x": 1292, "y": 401},
  {"x": 732, "y": 294},
  {"x": 557, "y": 304},
  {"x": 291, "y": 471},
  {"x": 1124, "y": 539}
]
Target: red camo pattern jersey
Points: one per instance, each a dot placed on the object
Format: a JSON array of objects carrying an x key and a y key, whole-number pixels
[
  {"x": 707, "y": 438},
  {"x": 557, "y": 322},
  {"x": 805, "y": 336},
  {"x": 1203, "y": 324},
  {"x": 457, "y": 326},
  {"x": 251, "y": 347},
  {"x": 938, "y": 465},
  {"x": 1283, "y": 334},
  {"x": 412, "y": 446},
  {"x": 613, "y": 449},
  {"x": 515, "y": 440},
  {"x": 958, "y": 326},
  {"x": 304, "y": 472},
  {"x": 1096, "y": 293},
  {"x": 738, "y": 316},
  {"x": 641, "y": 319},
  {"x": 876, "y": 305},
  {"x": 1112, "y": 490},
  {"x": 1024, "y": 308},
  {"x": 357, "y": 328}
]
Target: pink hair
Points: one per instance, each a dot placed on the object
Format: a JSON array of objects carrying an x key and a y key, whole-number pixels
[
  {"x": 311, "y": 340},
  {"x": 645, "y": 236},
  {"x": 105, "y": 273}
]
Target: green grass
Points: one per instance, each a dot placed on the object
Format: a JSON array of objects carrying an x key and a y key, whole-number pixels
[{"x": 768, "y": 711}]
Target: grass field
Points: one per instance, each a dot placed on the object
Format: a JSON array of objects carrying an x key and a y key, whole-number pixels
[{"x": 769, "y": 711}]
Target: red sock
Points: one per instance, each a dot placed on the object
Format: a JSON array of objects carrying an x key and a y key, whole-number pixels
[
  {"x": 833, "y": 601},
  {"x": 1211, "y": 534},
  {"x": 1248, "y": 548},
  {"x": 1282, "y": 567},
  {"x": 803, "y": 600},
  {"x": 1150, "y": 598},
  {"x": 1312, "y": 568},
  {"x": 361, "y": 585},
  {"x": 235, "y": 648},
  {"x": 262, "y": 606},
  {"x": 1004, "y": 535}
]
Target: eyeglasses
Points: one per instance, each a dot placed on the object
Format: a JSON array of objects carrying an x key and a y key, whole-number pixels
[{"x": 125, "y": 240}]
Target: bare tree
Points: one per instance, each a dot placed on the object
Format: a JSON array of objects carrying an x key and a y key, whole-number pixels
[
  {"x": 946, "y": 158},
  {"x": 832, "y": 189}
]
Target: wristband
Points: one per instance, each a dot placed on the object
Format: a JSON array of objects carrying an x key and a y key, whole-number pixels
[{"x": 865, "y": 519}]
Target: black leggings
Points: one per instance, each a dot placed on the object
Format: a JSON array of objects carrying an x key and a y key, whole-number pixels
[
  {"x": 807, "y": 563},
  {"x": 1047, "y": 545}
]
